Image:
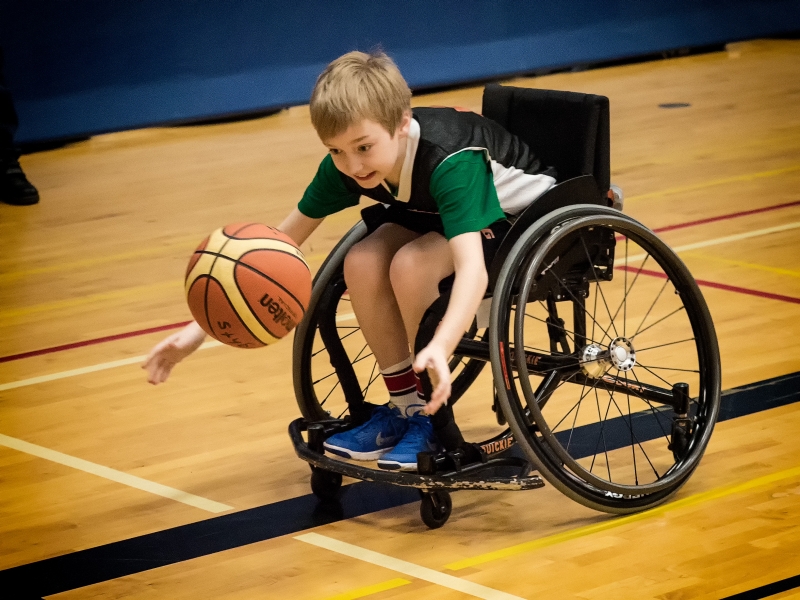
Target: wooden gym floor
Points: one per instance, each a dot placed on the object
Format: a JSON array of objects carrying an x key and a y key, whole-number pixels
[{"x": 192, "y": 490}]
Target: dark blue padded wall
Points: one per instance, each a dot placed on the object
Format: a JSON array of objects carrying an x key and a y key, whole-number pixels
[{"x": 79, "y": 67}]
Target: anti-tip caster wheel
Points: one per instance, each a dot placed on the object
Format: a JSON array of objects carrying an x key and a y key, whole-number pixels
[
  {"x": 435, "y": 508},
  {"x": 325, "y": 484}
]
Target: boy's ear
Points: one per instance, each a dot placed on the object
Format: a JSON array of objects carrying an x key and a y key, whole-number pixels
[{"x": 405, "y": 124}]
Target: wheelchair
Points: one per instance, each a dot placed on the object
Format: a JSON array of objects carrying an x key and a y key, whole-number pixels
[{"x": 605, "y": 369}]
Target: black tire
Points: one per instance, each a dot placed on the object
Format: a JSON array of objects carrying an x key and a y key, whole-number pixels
[
  {"x": 435, "y": 508},
  {"x": 322, "y": 390},
  {"x": 624, "y": 344},
  {"x": 326, "y": 485}
]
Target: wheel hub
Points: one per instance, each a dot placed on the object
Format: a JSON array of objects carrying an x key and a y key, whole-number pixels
[
  {"x": 623, "y": 356},
  {"x": 596, "y": 360}
]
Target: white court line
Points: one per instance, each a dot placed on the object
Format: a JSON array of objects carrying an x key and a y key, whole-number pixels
[
  {"x": 407, "y": 568},
  {"x": 347, "y": 316},
  {"x": 114, "y": 475},
  {"x": 83, "y": 370},
  {"x": 726, "y": 240}
]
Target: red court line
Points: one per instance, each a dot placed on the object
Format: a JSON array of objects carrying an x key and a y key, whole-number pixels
[
  {"x": 719, "y": 286},
  {"x": 108, "y": 338},
  {"x": 734, "y": 215}
]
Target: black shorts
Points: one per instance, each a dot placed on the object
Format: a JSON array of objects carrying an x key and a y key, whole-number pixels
[{"x": 419, "y": 222}]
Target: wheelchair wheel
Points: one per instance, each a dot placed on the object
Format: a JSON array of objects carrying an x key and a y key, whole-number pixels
[
  {"x": 605, "y": 358},
  {"x": 333, "y": 366},
  {"x": 325, "y": 485},
  {"x": 435, "y": 508}
]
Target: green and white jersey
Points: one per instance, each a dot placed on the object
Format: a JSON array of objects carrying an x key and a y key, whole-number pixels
[{"x": 459, "y": 165}]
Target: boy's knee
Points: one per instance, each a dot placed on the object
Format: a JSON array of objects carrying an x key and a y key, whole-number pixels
[
  {"x": 405, "y": 268},
  {"x": 364, "y": 264}
]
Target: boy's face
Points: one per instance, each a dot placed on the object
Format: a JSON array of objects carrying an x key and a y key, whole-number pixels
[{"x": 367, "y": 153}]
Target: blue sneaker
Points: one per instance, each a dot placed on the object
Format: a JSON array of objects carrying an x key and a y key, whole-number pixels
[
  {"x": 372, "y": 439},
  {"x": 418, "y": 438}
]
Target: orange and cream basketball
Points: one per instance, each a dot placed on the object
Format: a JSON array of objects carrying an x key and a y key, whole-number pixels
[{"x": 247, "y": 285}]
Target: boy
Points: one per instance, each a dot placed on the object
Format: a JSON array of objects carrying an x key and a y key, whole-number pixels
[{"x": 445, "y": 181}]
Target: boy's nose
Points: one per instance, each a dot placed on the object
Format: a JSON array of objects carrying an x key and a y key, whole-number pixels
[{"x": 353, "y": 165}]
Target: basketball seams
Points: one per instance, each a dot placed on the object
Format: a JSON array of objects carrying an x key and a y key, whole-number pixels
[
  {"x": 271, "y": 280},
  {"x": 253, "y": 313},
  {"x": 231, "y": 295},
  {"x": 207, "y": 279},
  {"x": 244, "y": 324},
  {"x": 238, "y": 261},
  {"x": 227, "y": 278}
]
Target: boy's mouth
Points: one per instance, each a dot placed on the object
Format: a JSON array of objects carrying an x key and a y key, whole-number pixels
[{"x": 365, "y": 177}]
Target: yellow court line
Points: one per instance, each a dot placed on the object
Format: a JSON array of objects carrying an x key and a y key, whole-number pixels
[
  {"x": 707, "y": 184},
  {"x": 741, "y": 263},
  {"x": 370, "y": 589},
  {"x": 572, "y": 534}
]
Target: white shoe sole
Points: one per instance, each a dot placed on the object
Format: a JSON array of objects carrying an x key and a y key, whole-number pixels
[
  {"x": 347, "y": 453},
  {"x": 393, "y": 465}
]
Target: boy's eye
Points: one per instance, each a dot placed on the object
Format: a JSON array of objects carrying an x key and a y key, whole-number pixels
[
  {"x": 334, "y": 151},
  {"x": 364, "y": 147}
]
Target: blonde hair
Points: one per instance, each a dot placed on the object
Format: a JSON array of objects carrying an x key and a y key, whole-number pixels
[{"x": 355, "y": 87}]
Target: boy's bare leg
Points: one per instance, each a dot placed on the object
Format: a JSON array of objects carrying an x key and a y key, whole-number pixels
[
  {"x": 366, "y": 272},
  {"x": 415, "y": 273}
]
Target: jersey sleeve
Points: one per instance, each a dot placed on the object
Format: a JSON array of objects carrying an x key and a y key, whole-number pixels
[
  {"x": 327, "y": 193},
  {"x": 463, "y": 188}
]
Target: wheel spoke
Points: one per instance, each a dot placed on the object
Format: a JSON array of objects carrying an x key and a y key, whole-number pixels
[
  {"x": 582, "y": 396},
  {"x": 596, "y": 278},
  {"x": 668, "y": 368},
  {"x": 372, "y": 379},
  {"x": 652, "y": 306},
  {"x": 575, "y": 418},
  {"x": 623, "y": 305},
  {"x": 324, "y": 400},
  {"x": 629, "y": 423},
  {"x": 677, "y": 310},
  {"x": 656, "y": 375},
  {"x": 664, "y": 345},
  {"x": 601, "y": 436},
  {"x": 653, "y": 409},
  {"x": 574, "y": 299}
]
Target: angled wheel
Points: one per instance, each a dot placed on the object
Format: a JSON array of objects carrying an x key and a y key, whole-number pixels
[
  {"x": 325, "y": 484},
  {"x": 332, "y": 363},
  {"x": 605, "y": 358},
  {"x": 435, "y": 508}
]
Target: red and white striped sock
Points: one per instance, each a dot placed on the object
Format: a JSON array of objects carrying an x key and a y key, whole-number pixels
[{"x": 401, "y": 382}]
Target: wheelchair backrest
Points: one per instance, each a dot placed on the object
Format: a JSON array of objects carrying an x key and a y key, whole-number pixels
[{"x": 566, "y": 130}]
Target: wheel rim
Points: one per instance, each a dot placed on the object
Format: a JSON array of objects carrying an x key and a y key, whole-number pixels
[{"x": 577, "y": 445}]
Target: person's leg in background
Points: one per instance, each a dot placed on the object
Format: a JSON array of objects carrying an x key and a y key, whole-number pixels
[{"x": 14, "y": 186}]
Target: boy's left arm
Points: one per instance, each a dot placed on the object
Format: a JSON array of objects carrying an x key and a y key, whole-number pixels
[{"x": 469, "y": 288}]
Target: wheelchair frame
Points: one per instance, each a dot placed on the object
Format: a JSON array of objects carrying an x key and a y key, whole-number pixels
[{"x": 556, "y": 250}]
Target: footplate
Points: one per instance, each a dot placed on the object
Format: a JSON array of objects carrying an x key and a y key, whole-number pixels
[{"x": 441, "y": 471}]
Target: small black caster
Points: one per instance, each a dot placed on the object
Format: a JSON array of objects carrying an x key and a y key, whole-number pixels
[
  {"x": 325, "y": 484},
  {"x": 435, "y": 508}
]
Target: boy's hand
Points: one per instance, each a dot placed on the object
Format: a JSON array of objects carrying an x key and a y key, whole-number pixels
[
  {"x": 435, "y": 361},
  {"x": 170, "y": 351}
]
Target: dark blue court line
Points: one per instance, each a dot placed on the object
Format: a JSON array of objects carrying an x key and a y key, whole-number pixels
[
  {"x": 770, "y": 589},
  {"x": 142, "y": 553}
]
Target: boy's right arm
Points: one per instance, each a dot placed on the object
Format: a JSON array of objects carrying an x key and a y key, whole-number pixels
[{"x": 173, "y": 349}]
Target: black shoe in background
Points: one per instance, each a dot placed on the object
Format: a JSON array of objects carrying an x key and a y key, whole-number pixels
[{"x": 14, "y": 186}]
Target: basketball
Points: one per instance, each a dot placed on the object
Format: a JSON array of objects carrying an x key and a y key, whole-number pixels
[{"x": 247, "y": 285}]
